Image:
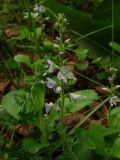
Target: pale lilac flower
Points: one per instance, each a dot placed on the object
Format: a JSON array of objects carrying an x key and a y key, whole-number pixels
[
  {"x": 50, "y": 83},
  {"x": 61, "y": 76},
  {"x": 74, "y": 96},
  {"x": 34, "y": 15},
  {"x": 42, "y": 82},
  {"x": 47, "y": 18},
  {"x": 44, "y": 74},
  {"x": 48, "y": 106},
  {"x": 56, "y": 46},
  {"x": 57, "y": 89},
  {"x": 50, "y": 62},
  {"x": 113, "y": 69},
  {"x": 69, "y": 75},
  {"x": 110, "y": 79},
  {"x": 65, "y": 74},
  {"x": 65, "y": 20},
  {"x": 56, "y": 24},
  {"x": 51, "y": 66},
  {"x": 105, "y": 88},
  {"x": 117, "y": 86},
  {"x": 39, "y": 8},
  {"x": 113, "y": 100},
  {"x": 61, "y": 53},
  {"x": 67, "y": 41},
  {"x": 26, "y": 15},
  {"x": 58, "y": 38},
  {"x": 64, "y": 69}
]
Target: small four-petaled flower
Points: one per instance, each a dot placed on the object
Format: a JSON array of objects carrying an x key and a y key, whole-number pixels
[{"x": 113, "y": 100}]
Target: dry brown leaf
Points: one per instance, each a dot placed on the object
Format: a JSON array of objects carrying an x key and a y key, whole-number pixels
[
  {"x": 11, "y": 30},
  {"x": 102, "y": 90},
  {"x": 3, "y": 85},
  {"x": 24, "y": 129}
]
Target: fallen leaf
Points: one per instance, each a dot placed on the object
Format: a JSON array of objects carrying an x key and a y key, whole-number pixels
[
  {"x": 11, "y": 30},
  {"x": 24, "y": 129}
]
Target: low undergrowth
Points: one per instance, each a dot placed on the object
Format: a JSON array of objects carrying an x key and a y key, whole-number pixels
[{"x": 59, "y": 83}]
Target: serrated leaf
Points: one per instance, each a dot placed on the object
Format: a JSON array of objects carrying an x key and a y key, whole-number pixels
[
  {"x": 94, "y": 138},
  {"x": 38, "y": 32},
  {"x": 81, "y": 53},
  {"x": 37, "y": 65},
  {"x": 104, "y": 131},
  {"x": 38, "y": 95},
  {"x": 85, "y": 98},
  {"x": 84, "y": 138},
  {"x": 13, "y": 102},
  {"x": 20, "y": 58},
  {"x": 116, "y": 148},
  {"x": 32, "y": 146},
  {"x": 82, "y": 66},
  {"x": 11, "y": 64},
  {"x": 98, "y": 139},
  {"x": 115, "y": 118},
  {"x": 24, "y": 33}
]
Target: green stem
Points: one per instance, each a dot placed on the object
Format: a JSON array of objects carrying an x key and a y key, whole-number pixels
[
  {"x": 62, "y": 102},
  {"x": 91, "y": 80},
  {"x": 62, "y": 83},
  {"x": 89, "y": 115},
  {"x": 44, "y": 134},
  {"x": 91, "y": 33},
  {"x": 72, "y": 156},
  {"x": 112, "y": 27},
  {"x": 11, "y": 139},
  {"x": 44, "y": 137}
]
